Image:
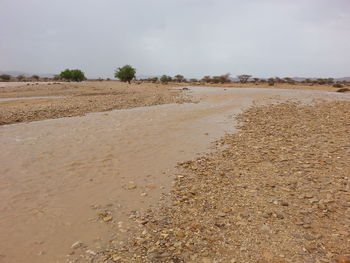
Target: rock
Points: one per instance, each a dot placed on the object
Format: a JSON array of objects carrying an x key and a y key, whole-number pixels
[
  {"x": 342, "y": 259},
  {"x": 91, "y": 252},
  {"x": 265, "y": 228},
  {"x": 131, "y": 187},
  {"x": 180, "y": 234},
  {"x": 267, "y": 215},
  {"x": 309, "y": 237},
  {"x": 221, "y": 214},
  {"x": 107, "y": 218},
  {"x": 227, "y": 210},
  {"x": 284, "y": 203},
  {"x": 77, "y": 244},
  {"x": 116, "y": 257},
  {"x": 279, "y": 215},
  {"x": 308, "y": 195},
  {"x": 206, "y": 260},
  {"x": 268, "y": 255}
]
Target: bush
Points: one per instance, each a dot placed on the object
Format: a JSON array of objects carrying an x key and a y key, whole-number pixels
[
  {"x": 271, "y": 81},
  {"x": 72, "y": 75},
  {"x": 343, "y": 90},
  {"x": 244, "y": 78},
  {"x": 179, "y": 78},
  {"x": 337, "y": 85},
  {"x": 206, "y": 79},
  {"x": 36, "y": 77},
  {"x": 125, "y": 73},
  {"x": 165, "y": 79},
  {"x": 5, "y": 77},
  {"x": 20, "y": 77}
]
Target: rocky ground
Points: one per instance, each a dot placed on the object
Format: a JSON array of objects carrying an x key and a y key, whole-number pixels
[
  {"x": 276, "y": 191},
  {"x": 80, "y": 98}
]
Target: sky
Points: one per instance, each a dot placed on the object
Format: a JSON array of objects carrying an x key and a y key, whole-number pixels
[{"x": 264, "y": 38}]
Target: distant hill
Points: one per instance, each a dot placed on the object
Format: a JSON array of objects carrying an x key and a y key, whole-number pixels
[{"x": 16, "y": 73}]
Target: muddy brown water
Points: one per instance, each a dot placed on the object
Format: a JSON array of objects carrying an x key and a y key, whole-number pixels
[{"x": 55, "y": 173}]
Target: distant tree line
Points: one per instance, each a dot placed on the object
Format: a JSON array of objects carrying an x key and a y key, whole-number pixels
[{"x": 127, "y": 73}]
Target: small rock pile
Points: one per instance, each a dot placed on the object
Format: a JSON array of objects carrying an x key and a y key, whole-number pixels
[{"x": 279, "y": 191}]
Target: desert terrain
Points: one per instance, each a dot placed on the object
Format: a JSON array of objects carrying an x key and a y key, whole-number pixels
[
  {"x": 32, "y": 101},
  {"x": 111, "y": 172}
]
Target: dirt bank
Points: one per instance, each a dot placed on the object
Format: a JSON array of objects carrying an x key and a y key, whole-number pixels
[{"x": 278, "y": 192}]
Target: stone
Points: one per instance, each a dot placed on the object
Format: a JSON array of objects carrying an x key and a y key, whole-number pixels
[
  {"x": 309, "y": 237},
  {"x": 280, "y": 216},
  {"x": 77, "y": 244},
  {"x": 91, "y": 252},
  {"x": 107, "y": 218},
  {"x": 284, "y": 203},
  {"x": 342, "y": 259},
  {"x": 265, "y": 228}
]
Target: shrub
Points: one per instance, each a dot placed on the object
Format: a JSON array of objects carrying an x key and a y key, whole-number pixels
[
  {"x": 125, "y": 73},
  {"x": 36, "y": 77},
  {"x": 20, "y": 77},
  {"x": 337, "y": 85},
  {"x": 206, "y": 79},
  {"x": 271, "y": 81},
  {"x": 165, "y": 79},
  {"x": 5, "y": 77},
  {"x": 343, "y": 90},
  {"x": 72, "y": 75},
  {"x": 290, "y": 81},
  {"x": 244, "y": 78},
  {"x": 179, "y": 78}
]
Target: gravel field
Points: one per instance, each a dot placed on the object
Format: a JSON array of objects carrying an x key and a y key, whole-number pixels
[
  {"x": 79, "y": 99},
  {"x": 276, "y": 191}
]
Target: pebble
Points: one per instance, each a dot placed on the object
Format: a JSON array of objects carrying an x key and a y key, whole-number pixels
[
  {"x": 107, "y": 218},
  {"x": 309, "y": 237},
  {"x": 342, "y": 259},
  {"x": 284, "y": 203},
  {"x": 91, "y": 252},
  {"x": 280, "y": 216},
  {"x": 77, "y": 244}
]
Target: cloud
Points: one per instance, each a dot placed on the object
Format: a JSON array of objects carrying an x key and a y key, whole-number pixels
[{"x": 191, "y": 37}]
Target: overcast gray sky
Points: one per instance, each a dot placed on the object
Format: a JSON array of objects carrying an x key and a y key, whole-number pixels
[{"x": 191, "y": 37}]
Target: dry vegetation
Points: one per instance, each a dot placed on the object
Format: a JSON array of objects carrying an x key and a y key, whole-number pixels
[{"x": 278, "y": 192}]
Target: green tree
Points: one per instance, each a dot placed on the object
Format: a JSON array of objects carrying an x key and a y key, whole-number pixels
[
  {"x": 179, "y": 78},
  {"x": 271, "y": 81},
  {"x": 5, "y": 77},
  {"x": 125, "y": 73},
  {"x": 36, "y": 77},
  {"x": 165, "y": 79},
  {"x": 20, "y": 77},
  {"x": 206, "y": 79},
  {"x": 72, "y": 75}
]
